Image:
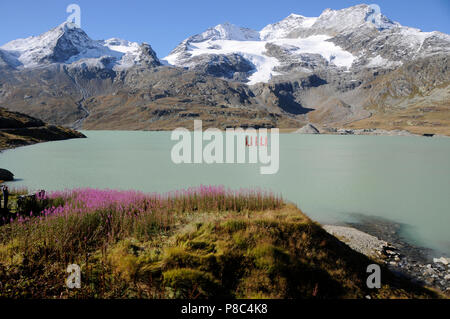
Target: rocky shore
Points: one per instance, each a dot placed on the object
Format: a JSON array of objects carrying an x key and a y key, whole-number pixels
[
  {"x": 379, "y": 132},
  {"x": 311, "y": 129},
  {"x": 374, "y": 131},
  {"x": 380, "y": 240}
]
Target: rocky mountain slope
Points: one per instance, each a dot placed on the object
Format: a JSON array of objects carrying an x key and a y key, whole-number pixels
[
  {"x": 17, "y": 129},
  {"x": 346, "y": 68}
]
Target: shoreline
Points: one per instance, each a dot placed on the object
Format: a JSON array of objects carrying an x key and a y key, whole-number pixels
[
  {"x": 337, "y": 131},
  {"x": 365, "y": 131},
  {"x": 383, "y": 243}
]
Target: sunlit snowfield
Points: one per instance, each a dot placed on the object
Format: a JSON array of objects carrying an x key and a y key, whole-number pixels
[{"x": 404, "y": 179}]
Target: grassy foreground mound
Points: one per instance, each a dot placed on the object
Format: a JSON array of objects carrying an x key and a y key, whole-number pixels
[{"x": 206, "y": 242}]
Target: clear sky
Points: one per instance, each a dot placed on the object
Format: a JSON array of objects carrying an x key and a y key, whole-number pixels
[{"x": 163, "y": 24}]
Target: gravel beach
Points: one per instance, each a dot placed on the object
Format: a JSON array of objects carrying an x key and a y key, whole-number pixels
[
  {"x": 402, "y": 258},
  {"x": 362, "y": 242}
]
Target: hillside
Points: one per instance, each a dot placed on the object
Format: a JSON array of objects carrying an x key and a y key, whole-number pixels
[
  {"x": 206, "y": 242},
  {"x": 17, "y": 129}
]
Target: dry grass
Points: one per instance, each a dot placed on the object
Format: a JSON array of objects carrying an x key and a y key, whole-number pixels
[{"x": 417, "y": 120}]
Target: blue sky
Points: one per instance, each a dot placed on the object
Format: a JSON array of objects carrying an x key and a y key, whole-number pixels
[{"x": 163, "y": 24}]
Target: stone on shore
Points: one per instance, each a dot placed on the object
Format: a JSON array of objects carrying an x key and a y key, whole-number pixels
[
  {"x": 6, "y": 175},
  {"x": 441, "y": 260}
]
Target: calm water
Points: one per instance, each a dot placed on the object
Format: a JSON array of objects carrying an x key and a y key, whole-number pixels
[{"x": 404, "y": 179}]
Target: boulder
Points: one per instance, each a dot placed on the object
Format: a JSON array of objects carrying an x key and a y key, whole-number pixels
[
  {"x": 441, "y": 260},
  {"x": 308, "y": 129},
  {"x": 6, "y": 175}
]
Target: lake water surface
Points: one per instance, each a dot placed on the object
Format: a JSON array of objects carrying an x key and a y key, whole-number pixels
[{"x": 403, "y": 179}]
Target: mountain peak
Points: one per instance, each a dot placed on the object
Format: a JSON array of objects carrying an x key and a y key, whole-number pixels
[
  {"x": 54, "y": 46},
  {"x": 286, "y": 26},
  {"x": 226, "y": 31},
  {"x": 66, "y": 25},
  {"x": 294, "y": 16},
  {"x": 336, "y": 21}
]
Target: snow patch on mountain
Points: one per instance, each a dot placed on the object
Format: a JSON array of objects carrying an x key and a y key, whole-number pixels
[
  {"x": 122, "y": 46},
  {"x": 318, "y": 44},
  {"x": 254, "y": 51},
  {"x": 415, "y": 37},
  {"x": 250, "y": 50},
  {"x": 379, "y": 61}
]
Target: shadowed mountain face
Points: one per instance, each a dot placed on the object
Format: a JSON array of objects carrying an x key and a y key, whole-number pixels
[{"x": 343, "y": 68}]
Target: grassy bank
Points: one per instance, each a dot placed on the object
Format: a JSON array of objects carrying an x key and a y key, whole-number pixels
[{"x": 206, "y": 242}]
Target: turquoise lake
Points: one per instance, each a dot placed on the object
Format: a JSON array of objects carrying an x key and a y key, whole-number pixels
[{"x": 403, "y": 179}]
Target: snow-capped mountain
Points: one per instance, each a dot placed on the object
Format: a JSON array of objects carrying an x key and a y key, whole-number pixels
[
  {"x": 69, "y": 44},
  {"x": 345, "y": 66},
  {"x": 344, "y": 39}
]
